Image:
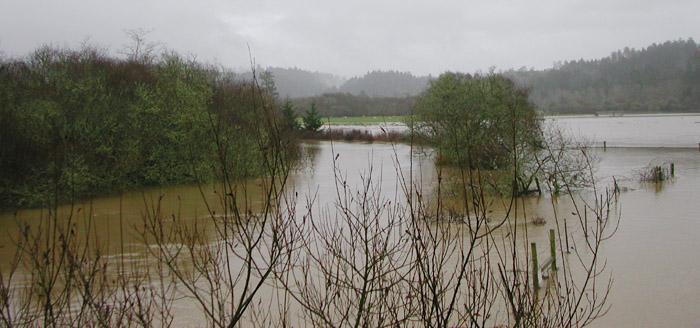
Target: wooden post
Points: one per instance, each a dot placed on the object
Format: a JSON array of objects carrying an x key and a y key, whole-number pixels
[
  {"x": 673, "y": 169},
  {"x": 535, "y": 267},
  {"x": 605, "y": 145},
  {"x": 566, "y": 234},
  {"x": 553, "y": 249}
]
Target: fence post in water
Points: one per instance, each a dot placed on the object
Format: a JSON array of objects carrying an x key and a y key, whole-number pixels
[
  {"x": 566, "y": 234},
  {"x": 535, "y": 268},
  {"x": 673, "y": 169},
  {"x": 553, "y": 249},
  {"x": 605, "y": 145}
]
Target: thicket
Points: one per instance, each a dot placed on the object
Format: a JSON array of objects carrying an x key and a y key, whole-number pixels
[{"x": 86, "y": 123}]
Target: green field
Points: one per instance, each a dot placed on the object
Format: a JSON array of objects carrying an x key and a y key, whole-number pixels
[{"x": 364, "y": 119}]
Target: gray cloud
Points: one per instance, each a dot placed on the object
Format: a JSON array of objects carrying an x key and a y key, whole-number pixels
[{"x": 353, "y": 37}]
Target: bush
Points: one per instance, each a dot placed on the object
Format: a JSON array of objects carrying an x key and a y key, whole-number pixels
[
  {"x": 85, "y": 123},
  {"x": 654, "y": 173}
]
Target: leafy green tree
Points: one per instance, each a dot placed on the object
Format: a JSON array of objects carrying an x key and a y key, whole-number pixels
[
  {"x": 312, "y": 120},
  {"x": 476, "y": 121}
]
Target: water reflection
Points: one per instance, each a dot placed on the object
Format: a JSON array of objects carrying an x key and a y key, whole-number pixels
[{"x": 653, "y": 255}]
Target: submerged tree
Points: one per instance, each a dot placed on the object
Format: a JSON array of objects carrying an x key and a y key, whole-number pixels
[
  {"x": 473, "y": 120},
  {"x": 479, "y": 123}
]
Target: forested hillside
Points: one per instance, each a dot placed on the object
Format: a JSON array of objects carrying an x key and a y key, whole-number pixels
[
  {"x": 297, "y": 83},
  {"x": 386, "y": 84},
  {"x": 660, "y": 78},
  {"x": 294, "y": 82}
]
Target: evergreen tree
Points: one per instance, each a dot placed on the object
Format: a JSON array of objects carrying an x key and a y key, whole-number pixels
[
  {"x": 290, "y": 115},
  {"x": 268, "y": 83},
  {"x": 312, "y": 120}
]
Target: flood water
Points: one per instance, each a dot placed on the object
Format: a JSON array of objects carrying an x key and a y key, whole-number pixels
[
  {"x": 654, "y": 257},
  {"x": 668, "y": 131}
]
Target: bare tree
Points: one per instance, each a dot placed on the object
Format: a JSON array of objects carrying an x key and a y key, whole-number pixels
[
  {"x": 62, "y": 275},
  {"x": 140, "y": 50},
  {"x": 350, "y": 267}
]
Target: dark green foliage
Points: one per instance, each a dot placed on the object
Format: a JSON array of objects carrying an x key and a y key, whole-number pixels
[
  {"x": 289, "y": 116},
  {"x": 476, "y": 121},
  {"x": 312, "y": 120},
  {"x": 84, "y": 123}
]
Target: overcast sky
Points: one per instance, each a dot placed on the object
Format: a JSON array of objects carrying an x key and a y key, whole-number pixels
[{"x": 352, "y": 37}]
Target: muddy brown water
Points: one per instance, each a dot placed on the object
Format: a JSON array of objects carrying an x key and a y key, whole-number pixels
[{"x": 654, "y": 257}]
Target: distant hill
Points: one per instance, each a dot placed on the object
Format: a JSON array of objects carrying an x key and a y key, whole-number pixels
[
  {"x": 298, "y": 83},
  {"x": 660, "y": 78},
  {"x": 295, "y": 83},
  {"x": 386, "y": 84}
]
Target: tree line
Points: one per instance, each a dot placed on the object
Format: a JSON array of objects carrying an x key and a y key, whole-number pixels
[{"x": 659, "y": 78}]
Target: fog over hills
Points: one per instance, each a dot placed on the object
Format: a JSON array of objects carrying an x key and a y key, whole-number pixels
[{"x": 661, "y": 77}]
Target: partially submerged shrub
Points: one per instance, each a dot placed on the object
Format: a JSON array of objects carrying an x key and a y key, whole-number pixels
[
  {"x": 539, "y": 221},
  {"x": 655, "y": 173}
]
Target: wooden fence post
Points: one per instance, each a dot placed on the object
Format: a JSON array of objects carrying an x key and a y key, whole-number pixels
[
  {"x": 535, "y": 267},
  {"x": 553, "y": 249},
  {"x": 566, "y": 234}
]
